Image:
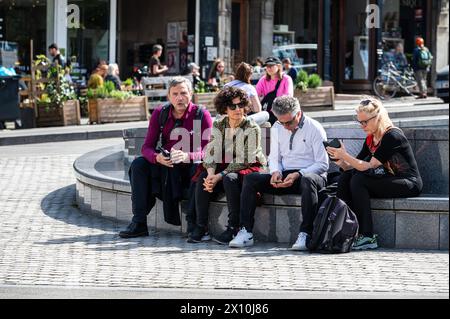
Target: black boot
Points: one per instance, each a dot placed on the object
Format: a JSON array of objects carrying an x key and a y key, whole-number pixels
[{"x": 135, "y": 230}]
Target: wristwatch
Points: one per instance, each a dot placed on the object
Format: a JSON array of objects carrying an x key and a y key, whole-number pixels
[{"x": 223, "y": 173}]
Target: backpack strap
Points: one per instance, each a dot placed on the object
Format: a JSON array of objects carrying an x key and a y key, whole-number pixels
[
  {"x": 162, "y": 120},
  {"x": 164, "y": 115},
  {"x": 200, "y": 112},
  {"x": 278, "y": 85}
]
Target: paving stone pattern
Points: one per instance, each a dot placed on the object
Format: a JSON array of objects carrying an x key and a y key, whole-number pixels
[{"x": 45, "y": 240}]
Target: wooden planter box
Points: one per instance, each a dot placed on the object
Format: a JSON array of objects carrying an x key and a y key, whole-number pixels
[
  {"x": 316, "y": 99},
  {"x": 207, "y": 100},
  {"x": 51, "y": 115},
  {"x": 113, "y": 111}
]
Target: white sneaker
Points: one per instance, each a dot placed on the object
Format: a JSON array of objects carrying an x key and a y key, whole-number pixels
[
  {"x": 242, "y": 239},
  {"x": 300, "y": 244}
]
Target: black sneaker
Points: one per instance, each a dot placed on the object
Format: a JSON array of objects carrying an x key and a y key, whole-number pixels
[
  {"x": 199, "y": 235},
  {"x": 226, "y": 236},
  {"x": 135, "y": 230}
]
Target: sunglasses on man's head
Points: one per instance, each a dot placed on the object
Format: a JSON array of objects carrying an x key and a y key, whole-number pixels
[{"x": 233, "y": 107}]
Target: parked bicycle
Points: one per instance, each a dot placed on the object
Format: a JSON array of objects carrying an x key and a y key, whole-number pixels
[{"x": 391, "y": 81}]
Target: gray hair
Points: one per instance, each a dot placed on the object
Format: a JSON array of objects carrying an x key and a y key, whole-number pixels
[
  {"x": 286, "y": 105},
  {"x": 157, "y": 48},
  {"x": 112, "y": 68},
  {"x": 180, "y": 80}
]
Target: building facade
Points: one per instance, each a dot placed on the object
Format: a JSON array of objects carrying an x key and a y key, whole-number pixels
[{"x": 344, "y": 41}]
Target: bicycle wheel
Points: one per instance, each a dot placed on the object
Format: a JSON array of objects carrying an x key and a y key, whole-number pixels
[{"x": 385, "y": 87}]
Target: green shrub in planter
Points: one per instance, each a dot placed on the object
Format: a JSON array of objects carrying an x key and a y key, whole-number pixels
[
  {"x": 302, "y": 81},
  {"x": 314, "y": 81},
  {"x": 108, "y": 91}
]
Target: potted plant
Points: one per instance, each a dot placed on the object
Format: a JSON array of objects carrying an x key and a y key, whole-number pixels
[
  {"x": 57, "y": 105},
  {"x": 203, "y": 96},
  {"x": 107, "y": 105},
  {"x": 311, "y": 93}
]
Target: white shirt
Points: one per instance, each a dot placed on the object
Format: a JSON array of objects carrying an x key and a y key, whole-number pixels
[
  {"x": 302, "y": 150},
  {"x": 250, "y": 89}
]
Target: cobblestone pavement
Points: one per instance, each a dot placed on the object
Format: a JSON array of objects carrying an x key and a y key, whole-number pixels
[{"x": 45, "y": 240}]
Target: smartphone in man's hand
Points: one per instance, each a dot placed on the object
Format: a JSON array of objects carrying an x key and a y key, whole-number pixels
[{"x": 164, "y": 152}]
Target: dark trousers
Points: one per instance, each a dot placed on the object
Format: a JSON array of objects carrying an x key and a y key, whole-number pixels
[
  {"x": 142, "y": 195},
  {"x": 307, "y": 186},
  {"x": 356, "y": 189},
  {"x": 231, "y": 184}
]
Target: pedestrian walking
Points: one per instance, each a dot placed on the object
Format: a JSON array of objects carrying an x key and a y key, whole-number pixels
[{"x": 422, "y": 61}]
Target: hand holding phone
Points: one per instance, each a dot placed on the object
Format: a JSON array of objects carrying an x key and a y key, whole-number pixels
[
  {"x": 164, "y": 152},
  {"x": 335, "y": 143}
]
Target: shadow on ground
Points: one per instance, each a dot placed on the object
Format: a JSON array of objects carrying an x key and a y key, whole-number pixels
[{"x": 61, "y": 205}]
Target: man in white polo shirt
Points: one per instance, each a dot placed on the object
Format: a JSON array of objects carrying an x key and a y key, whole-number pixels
[{"x": 298, "y": 164}]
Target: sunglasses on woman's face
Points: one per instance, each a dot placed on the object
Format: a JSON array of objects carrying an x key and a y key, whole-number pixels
[{"x": 233, "y": 107}]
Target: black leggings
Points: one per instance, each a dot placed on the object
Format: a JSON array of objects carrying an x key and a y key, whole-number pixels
[{"x": 356, "y": 189}]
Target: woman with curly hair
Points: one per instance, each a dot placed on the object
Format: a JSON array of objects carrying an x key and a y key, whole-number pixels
[{"x": 234, "y": 151}]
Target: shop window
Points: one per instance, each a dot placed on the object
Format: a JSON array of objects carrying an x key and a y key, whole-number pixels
[
  {"x": 18, "y": 24},
  {"x": 296, "y": 32},
  {"x": 89, "y": 44},
  {"x": 403, "y": 21},
  {"x": 357, "y": 41}
]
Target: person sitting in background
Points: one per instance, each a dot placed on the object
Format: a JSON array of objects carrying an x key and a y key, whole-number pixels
[
  {"x": 258, "y": 65},
  {"x": 291, "y": 71},
  {"x": 113, "y": 76},
  {"x": 242, "y": 80},
  {"x": 217, "y": 77},
  {"x": 385, "y": 168},
  {"x": 275, "y": 84},
  {"x": 56, "y": 55},
  {"x": 217, "y": 73},
  {"x": 97, "y": 78},
  {"x": 194, "y": 70},
  {"x": 400, "y": 60}
]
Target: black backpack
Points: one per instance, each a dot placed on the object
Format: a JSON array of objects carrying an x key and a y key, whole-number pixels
[{"x": 335, "y": 228}]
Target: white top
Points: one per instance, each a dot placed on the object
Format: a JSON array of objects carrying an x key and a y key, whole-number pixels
[
  {"x": 250, "y": 89},
  {"x": 302, "y": 151}
]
